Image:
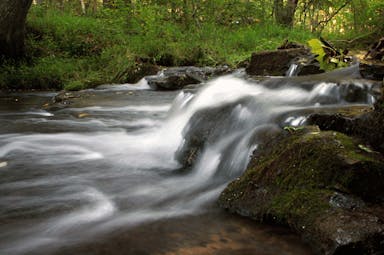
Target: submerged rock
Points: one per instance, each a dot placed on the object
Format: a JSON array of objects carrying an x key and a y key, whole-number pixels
[
  {"x": 175, "y": 78},
  {"x": 321, "y": 184}
]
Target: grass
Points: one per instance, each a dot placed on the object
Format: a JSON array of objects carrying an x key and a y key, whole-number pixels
[{"x": 72, "y": 51}]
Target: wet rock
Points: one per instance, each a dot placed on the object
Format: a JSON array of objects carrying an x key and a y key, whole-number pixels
[
  {"x": 372, "y": 70},
  {"x": 202, "y": 129},
  {"x": 312, "y": 67},
  {"x": 367, "y": 126},
  {"x": 274, "y": 63},
  {"x": 321, "y": 184},
  {"x": 136, "y": 73},
  {"x": 339, "y": 200},
  {"x": 306, "y": 65},
  {"x": 66, "y": 97},
  {"x": 336, "y": 122},
  {"x": 175, "y": 78},
  {"x": 371, "y": 125}
]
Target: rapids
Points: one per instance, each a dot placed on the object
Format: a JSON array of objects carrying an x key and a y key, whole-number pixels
[{"x": 68, "y": 174}]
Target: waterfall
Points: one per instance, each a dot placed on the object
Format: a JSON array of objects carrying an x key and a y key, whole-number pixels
[
  {"x": 146, "y": 158},
  {"x": 293, "y": 70}
]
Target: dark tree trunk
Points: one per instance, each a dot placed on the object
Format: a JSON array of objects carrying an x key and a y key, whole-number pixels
[
  {"x": 285, "y": 11},
  {"x": 13, "y": 14}
]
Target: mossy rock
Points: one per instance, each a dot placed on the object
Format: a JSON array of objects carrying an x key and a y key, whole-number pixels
[{"x": 306, "y": 177}]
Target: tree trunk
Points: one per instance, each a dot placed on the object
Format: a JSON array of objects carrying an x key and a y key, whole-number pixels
[
  {"x": 285, "y": 12},
  {"x": 13, "y": 14},
  {"x": 82, "y": 4}
]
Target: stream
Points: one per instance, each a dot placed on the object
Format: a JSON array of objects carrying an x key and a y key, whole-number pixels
[{"x": 104, "y": 175}]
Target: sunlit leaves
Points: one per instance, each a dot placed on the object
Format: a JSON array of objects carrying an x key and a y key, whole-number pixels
[{"x": 326, "y": 60}]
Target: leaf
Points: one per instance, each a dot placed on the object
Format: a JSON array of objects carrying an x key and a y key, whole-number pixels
[
  {"x": 317, "y": 49},
  {"x": 327, "y": 63}
]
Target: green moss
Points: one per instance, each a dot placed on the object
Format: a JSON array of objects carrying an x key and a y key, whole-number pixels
[
  {"x": 353, "y": 151},
  {"x": 313, "y": 160},
  {"x": 300, "y": 205},
  {"x": 292, "y": 177}
]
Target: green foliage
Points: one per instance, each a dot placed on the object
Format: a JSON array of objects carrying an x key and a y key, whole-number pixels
[
  {"x": 74, "y": 85},
  {"x": 326, "y": 60},
  {"x": 72, "y": 51},
  {"x": 103, "y": 44}
]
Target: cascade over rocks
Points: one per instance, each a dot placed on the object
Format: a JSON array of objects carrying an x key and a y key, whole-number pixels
[
  {"x": 175, "y": 78},
  {"x": 323, "y": 185},
  {"x": 206, "y": 127},
  {"x": 368, "y": 126}
]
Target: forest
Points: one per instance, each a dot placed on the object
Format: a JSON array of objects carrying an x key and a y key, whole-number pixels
[{"x": 75, "y": 44}]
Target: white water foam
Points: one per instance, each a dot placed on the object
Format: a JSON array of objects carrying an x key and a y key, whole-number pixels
[{"x": 140, "y": 85}]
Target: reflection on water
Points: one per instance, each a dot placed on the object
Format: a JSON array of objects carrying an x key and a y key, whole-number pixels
[{"x": 102, "y": 175}]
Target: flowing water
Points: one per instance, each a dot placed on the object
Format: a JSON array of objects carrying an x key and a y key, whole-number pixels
[{"x": 106, "y": 171}]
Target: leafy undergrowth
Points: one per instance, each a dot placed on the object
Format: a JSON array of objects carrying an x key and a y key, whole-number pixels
[{"x": 71, "y": 51}]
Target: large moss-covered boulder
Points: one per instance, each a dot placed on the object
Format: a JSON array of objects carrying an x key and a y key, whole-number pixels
[{"x": 326, "y": 186}]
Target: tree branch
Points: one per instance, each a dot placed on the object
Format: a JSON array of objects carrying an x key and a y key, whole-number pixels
[{"x": 332, "y": 16}]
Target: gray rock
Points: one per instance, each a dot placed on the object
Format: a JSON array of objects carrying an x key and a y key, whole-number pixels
[
  {"x": 339, "y": 200},
  {"x": 175, "y": 78}
]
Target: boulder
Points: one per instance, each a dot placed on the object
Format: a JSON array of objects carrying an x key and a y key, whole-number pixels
[
  {"x": 309, "y": 68},
  {"x": 175, "y": 78},
  {"x": 373, "y": 70},
  {"x": 274, "y": 63},
  {"x": 326, "y": 186},
  {"x": 337, "y": 122}
]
